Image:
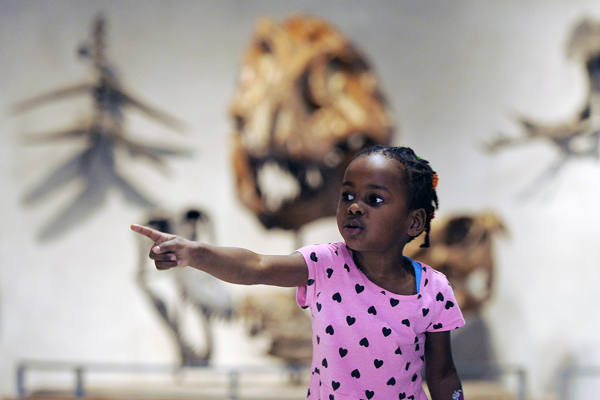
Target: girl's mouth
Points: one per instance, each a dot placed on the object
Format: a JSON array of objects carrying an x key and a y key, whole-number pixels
[{"x": 353, "y": 227}]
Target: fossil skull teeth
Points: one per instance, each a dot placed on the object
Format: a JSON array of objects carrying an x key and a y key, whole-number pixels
[
  {"x": 276, "y": 185},
  {"x": 279, "y": 183}
]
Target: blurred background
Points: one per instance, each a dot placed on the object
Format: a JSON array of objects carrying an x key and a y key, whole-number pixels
[{"x": 456, "y": 77}]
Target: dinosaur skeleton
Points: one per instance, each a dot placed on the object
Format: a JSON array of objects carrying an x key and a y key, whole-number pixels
[
  {"x": 461, "y": 247},
  {"x": 278, "y": 317},
  {"x": 580, "y": 136},
  {"x": 306, "y": 102},
  {"x": 104, "y": 135},
  {"x": 185, "y": 299}
]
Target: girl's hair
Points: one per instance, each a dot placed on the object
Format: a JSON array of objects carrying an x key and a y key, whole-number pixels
[{"x": 419, "y": 178}]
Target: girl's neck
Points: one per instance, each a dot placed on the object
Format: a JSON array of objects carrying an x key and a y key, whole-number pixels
[{"x": 396, "y": 275}]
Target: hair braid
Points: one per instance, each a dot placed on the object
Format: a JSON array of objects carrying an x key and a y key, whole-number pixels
[{"x": 419, "y": 179}]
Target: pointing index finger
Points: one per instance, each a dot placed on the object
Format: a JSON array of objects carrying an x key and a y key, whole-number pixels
[{"x": 150, "y": 233}]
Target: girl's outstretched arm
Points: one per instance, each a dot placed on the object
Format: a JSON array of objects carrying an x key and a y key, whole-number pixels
[
  {"x": 231, "y": 264},
  {"x": 440, "y": 373}
]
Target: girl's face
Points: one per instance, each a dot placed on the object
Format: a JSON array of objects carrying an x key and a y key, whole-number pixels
[{"x": 372, "y": 213}]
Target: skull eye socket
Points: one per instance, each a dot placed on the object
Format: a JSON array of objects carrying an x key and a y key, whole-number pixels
[
  {"x": 193, "y": 215},
  {"x": 240, "y": 124},
  {"x": 308, "y": 98},
  {"x": 161, "y": 224},
  {"x": 354, "y": 65},
  {"x": 265, "y": 47},
  {"x": 457, "y": 230}
]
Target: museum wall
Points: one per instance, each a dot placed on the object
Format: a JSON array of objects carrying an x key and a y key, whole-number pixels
[{"x": 456, "y": 74}]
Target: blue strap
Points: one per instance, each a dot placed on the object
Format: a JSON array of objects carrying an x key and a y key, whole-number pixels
[{"x": 418, "y": 269}]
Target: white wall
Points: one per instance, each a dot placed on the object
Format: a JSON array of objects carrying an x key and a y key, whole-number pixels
[{"x": 453, "y": 71}]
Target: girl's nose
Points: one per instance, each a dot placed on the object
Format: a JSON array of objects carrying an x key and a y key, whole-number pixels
[{"x": 354, "y": 208}]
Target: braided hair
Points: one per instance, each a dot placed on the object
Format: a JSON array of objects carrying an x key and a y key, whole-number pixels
[{"x": 420, "y": 180}]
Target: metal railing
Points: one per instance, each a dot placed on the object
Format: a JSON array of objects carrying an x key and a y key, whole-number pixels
[
  {"x": 569, "y": 373},
  {"x": 80, "y": 371},
  {"x": 232, "y": 375},
  {"x": 495, "y": 372}
]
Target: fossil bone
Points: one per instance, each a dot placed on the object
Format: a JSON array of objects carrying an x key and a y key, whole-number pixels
[{"x": 306, "y": 102}]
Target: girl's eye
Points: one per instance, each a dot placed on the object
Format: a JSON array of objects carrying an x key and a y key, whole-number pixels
[
  {"x": 374, "y": 199},
  {"x": 347, "y": 196}
]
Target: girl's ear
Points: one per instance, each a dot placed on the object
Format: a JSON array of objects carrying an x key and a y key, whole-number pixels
[{"x": 418, "y": 220}]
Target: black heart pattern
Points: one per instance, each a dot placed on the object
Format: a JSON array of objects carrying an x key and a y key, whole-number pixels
[{"x": 386, "y": 331}]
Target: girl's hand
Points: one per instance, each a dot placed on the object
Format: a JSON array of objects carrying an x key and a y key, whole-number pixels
[{"x": 169, "y": 250}]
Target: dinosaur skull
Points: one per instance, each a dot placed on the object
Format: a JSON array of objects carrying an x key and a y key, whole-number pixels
[
  {"x": 462, "y": 248},
  {"x": 306, "y": 103}
]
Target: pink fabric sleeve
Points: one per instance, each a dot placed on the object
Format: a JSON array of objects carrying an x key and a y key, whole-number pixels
[
  {"x": 446, "y": 314},
  {"x": 305, "y": 293}
]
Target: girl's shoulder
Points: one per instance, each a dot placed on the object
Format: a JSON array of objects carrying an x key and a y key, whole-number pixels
[
  {"x": 434, "y": 278},
  {"x": 333, "y": 248}
]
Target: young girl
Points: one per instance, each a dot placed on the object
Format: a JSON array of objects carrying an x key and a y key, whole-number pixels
[{"x": 377, "y": 315}]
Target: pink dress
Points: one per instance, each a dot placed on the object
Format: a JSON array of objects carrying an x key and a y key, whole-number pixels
[{"x": 369, "y": 343}]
